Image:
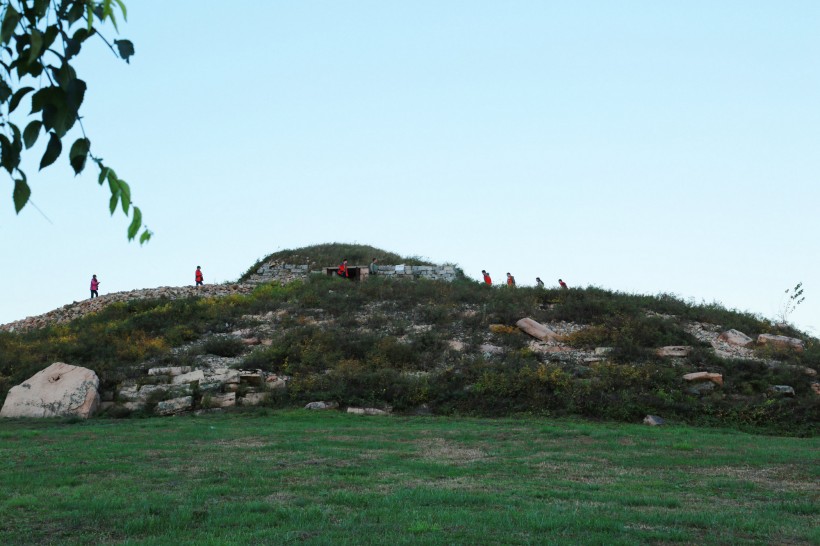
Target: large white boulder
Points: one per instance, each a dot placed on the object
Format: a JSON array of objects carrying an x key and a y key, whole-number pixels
[
  {"x": 737, "y": 338},
  {"x": 781, "y": 342},
  {"x": 61, "y": 390}
]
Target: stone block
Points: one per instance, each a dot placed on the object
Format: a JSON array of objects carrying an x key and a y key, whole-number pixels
[
  {"x": 175, "y": 405},
  {"x": 196, "y": 375}
]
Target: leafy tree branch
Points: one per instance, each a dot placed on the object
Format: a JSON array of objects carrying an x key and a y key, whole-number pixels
[{"x": 38, "y": 41}]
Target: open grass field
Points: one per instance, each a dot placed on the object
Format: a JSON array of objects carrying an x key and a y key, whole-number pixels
[{"x": 289, "y": 477}]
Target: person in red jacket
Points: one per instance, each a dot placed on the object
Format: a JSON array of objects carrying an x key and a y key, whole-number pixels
[
  {"x": 342, "y": 272},
  {"x": 510, "y": 280},
  {"x": 95, "y": 285},
  {"x": 198, "y": 276},
  {"x": 563, "y": 284},
  {"x": 487, "y": 280}
]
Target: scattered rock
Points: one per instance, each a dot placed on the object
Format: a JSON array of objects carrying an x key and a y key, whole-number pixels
[
  {"x": 61, "y": 390},
  {"x": 653, "y": 420},
  {"x": 698, "y": 377},
  {"x": 366, "y": 411},
  {"x": 736, "y": 338},
  {"x": 602, "y": 351},
  {"x": 537, "y": 330},
  {"x": 785, "y": 390},
  {"x": 322, "y": 405},
  {"x": 674, "y": 351},
  {"x": 170, "y": 370},
  {"x": 250, "y": 341},
  {"x": 780, "y": 342},
  {"x": 456, "y": 345},
  {"x": 816, "y": 388},
  {"x": 488, "y": 349}
]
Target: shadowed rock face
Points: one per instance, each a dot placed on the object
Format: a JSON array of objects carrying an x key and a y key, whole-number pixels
[{"x": 61, "y": 390}]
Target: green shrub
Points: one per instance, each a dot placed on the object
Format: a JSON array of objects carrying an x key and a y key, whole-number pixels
[{"x": 224, "y": 346}]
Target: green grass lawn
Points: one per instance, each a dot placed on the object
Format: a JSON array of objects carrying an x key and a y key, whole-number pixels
[{"x": 329, "y": 478}]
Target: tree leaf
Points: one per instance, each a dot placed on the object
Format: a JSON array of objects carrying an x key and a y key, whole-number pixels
[
  {"x": 18, "y": 96},
  {"x": 10, "y": 21},
  {"x": 31, "y": 133},
  {"x": 75, "y": 93},
  {"x": 103, "y": 174},
  {"x": 112, "y": 204},
  {"x": 145, "y": 237},
  {"x": 136, "y": 223},
  {"x": 75, "y": 12},
  {"x": 126, "y": 49},
  {"x": 78, "y": 154},
  {"x": 124, "y": 13},
  {"x": 10, "y": 155},
  {"x": 55, "y": 146},
  {"x": 21, "y": 194},
  {"x": 125, "y": 195},
  {"x": 5, "y": 91},
  {"x": 40, "y": 7},
  {"x": 36, "y": 45}
]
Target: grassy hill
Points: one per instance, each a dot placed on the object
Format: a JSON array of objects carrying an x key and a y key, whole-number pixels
[{"x": 446, "y": 348}]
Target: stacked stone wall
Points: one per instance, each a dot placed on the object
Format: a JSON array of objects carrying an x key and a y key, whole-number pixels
[{"x": 285, "y": 273}]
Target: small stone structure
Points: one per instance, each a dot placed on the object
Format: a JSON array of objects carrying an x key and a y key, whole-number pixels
[{"x": 285, "y": 273}]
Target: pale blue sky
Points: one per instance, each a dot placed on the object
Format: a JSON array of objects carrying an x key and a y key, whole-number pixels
[{"x": 639, "y": 146}]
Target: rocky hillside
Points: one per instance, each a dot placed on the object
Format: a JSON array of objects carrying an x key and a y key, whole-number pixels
[{"x": 422, "y": 346}]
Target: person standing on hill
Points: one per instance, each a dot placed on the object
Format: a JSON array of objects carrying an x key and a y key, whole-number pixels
[
  {"x": 487, "y": 280},
  {"x": 95, "y": 285},
  {"x": 373, "y": 268},
  {"x": 563, "y": 284},
  {"x": 539, "y": 283},
  {"x": 342, "y": 272},
  {"x": 510, "y": 280},
  {"x": 198, "y": 278}
]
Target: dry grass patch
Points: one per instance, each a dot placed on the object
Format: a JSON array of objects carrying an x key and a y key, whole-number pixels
[{"x": 441, "y": 450}]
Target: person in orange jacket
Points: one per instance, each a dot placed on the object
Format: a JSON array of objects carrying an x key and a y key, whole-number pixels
[
  {"x": 487, "y": 280},
  {"x": 198, "y": 276},
  {"x": 510, "y": 280},
  {"x": 343, "y": 272}
]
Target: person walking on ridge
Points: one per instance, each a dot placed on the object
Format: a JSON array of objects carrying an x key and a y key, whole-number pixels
[
  {"x": 510, "y": 280},
  {"x": 95, "y": 285},
  {"x": 563, "y": 284},
  {"x": 198, "y": 278},
  {"x": 373, "y": 268},
  {"x": 487, "y": 280},
  {"x": 539, "y": 283}
]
